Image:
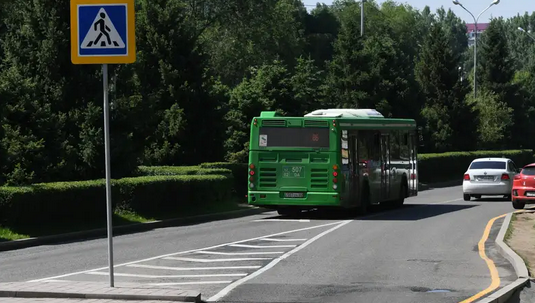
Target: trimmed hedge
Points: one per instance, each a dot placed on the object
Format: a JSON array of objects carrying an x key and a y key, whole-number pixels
[
  {"x": 181, "y": 171},
  {"x": 239, "y": 173},
  {"x": 452, "y": 165},
  {"x": 86, "y": 200}
]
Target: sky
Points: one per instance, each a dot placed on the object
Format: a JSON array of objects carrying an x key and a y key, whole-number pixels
[{"x": 506, "y": 8}]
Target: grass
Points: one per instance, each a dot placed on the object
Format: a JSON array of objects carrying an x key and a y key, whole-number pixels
[
  {"x": 510, "y": 229},
  {"x": 121, "y": 217}
]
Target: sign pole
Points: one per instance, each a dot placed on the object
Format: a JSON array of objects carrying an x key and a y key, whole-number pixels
[
  {"x": 108, "y": 169},
  {"x": 104, "y": 32}
]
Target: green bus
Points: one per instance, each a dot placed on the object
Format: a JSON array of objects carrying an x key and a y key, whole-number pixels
[{"x": 331, "y": 159}]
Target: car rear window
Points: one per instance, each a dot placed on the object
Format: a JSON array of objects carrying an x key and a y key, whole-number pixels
[
  {"x": 488, "y": 165},
  {"x": 530, "y": 171}
]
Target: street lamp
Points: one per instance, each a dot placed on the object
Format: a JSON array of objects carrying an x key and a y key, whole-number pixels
[
  {"x": 495, "y": 2},
  {"x": 527, "y": 33}
]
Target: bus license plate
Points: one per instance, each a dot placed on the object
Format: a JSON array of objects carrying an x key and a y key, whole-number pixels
[
  {"x": 294, "y": 195},
  {"x": 293, "y": 172}
]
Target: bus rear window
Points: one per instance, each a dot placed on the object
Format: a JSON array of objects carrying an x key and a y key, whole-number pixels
[{"x": 310, "y": 137}]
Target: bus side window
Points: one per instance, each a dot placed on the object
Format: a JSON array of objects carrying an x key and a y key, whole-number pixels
[{"x": 405, "y": 152}]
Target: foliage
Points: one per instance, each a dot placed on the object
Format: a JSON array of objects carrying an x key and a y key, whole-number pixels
[
  {"x": 205, "y": 68},
  {"x": 452, "y": 165},
  {"x": 85, "y": 200}
]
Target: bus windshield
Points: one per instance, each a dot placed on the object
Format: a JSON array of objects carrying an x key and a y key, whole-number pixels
[{"x": 307, "y": 137}]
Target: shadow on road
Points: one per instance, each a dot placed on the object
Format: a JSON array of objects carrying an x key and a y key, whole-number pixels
[{"x": 409, "y": 212}]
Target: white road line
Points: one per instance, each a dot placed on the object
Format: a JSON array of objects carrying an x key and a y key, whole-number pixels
[
  {"x": 215, "y": 260},
  {"x": 166, "y": 276},
  {"x": 283, "y": 240},
  {"x": 190, "y": 283},
  {"x": 283, "y": 220},
  {"x": 189, "y": 251},
  {"x": 237, "y": 283},
  {"x": 192, "y": 268},
  {"x": 262, "y": 246},
  {"x": 239, "y": 253}
]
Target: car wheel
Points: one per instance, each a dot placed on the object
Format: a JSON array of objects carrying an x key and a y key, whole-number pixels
[
  {"x": 518, "y": 205},
  {"x": 466, "y": 197}
]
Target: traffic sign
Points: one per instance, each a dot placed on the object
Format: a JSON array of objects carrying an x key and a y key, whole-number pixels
[{"x": 103, "y": 32}]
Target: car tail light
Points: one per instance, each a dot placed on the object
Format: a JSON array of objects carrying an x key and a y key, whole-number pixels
[
  {"x": 466, "y": 177},
  {"x": 413, "y": 176},
  {"x": 518, "y": 177},
  {"x": 505, "y": 177}
]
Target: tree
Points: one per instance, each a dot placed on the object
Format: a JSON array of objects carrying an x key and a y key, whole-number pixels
[{"x": 449, "y": 120}]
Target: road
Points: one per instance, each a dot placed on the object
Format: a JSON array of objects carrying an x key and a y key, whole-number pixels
[{"x": 426, "y": 251}]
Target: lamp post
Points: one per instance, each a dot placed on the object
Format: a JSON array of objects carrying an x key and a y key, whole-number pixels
[
  {"x": 456, "y": 2},
  {"x": 362, "y": 17},
  {"x": 527, "y": 33}
]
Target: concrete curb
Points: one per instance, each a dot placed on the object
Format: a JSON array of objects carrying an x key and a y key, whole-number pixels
[
  {"x": 92, "y": 290},
  {"x": 504, "y": 294},
  {"x": 127, "y": 229},
  {"x": 67, "y": 295},
  {"x": 428, "y": 186}
]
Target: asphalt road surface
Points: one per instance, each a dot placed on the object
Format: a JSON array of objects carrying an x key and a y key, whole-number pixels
[{"x": 426, "y": 251}]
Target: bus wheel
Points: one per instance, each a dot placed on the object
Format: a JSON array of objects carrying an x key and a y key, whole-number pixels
[
  {"x": 402, "y": 194},
  {"x": 364, "y": 201},
  {"x": 289, "y": 211}
]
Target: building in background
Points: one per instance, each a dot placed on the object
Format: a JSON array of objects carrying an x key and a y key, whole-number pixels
[{"x": 471, "y": 28}]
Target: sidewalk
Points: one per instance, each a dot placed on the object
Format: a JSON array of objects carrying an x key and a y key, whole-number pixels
[{"x": 66, "y": 292}]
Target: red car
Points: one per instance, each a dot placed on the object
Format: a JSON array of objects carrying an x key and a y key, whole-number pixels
[{"x": 524, "y": 187}]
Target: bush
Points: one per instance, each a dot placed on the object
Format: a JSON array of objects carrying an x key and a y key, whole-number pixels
[
  {"x": 451, "y": 166},
  {"x": 181, "y": 171},
  {"x": 86, "y": 200},
  {"x": 239, "y": 173}
]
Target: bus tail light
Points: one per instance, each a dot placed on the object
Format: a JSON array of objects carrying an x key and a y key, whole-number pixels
[
  {"x": 335, "y": 180},
  {"x": 255, "y": 122}
]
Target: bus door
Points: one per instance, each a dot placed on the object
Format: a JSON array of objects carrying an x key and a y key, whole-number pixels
[
  {"x": 413, "y": 172},
  {"x": 385, "y": 167}
]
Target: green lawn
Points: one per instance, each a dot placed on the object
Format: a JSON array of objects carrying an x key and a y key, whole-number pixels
[{"x": 120, "y": 218}]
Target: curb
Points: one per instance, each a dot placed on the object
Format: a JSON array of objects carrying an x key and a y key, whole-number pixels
[
  {"x": 67, "y": 295},
  {"x": 428, "y": 186},
  {"x": 128, "y": 229},
  {"x": 521, "y": 270},
  {"x": 91, "y": 290}
]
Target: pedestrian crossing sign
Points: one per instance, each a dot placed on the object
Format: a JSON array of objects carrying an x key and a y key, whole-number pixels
[{"x": 102, "y": 32}]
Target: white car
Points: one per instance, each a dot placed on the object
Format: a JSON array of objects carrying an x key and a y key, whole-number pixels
[{"x": 489, "y": 177}]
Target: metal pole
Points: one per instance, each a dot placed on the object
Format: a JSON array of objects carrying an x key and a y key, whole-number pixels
[
  {"x": 475, "y": 62},
  {"x": 362, "y": 18},
  {"x": 108, "y": 168}
]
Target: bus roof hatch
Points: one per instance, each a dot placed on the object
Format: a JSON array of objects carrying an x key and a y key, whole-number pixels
[
  {"x": 345, "y": 112},
  {"x": 269, "y": 114}
]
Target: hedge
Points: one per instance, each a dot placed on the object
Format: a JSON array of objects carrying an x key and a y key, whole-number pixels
[
  {"x": 239, "y": 173},
  {"x": 452, "y": 165},
  {"x": 86, "y": 200},
  {"x": 181, "y": 171}
]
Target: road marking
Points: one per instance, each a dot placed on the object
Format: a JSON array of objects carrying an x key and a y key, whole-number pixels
[
  {"x": 283, "y": 240},
  {"x": 189, "y": 251},
  {"x": 192, "y": 268},
  {"x": 262, "y": 246},
  {"x": 265, "y": 238},
  {"x": 283, "y": 220},
  {"x": 239, "y": 253},
  {"x": 237, "y": 283},
  {"x": 215, "y": 260},
  {"x": 494, "y": 275},
  {"x": 166, "y": 276},
  {"x": 190, "y": 283}
]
